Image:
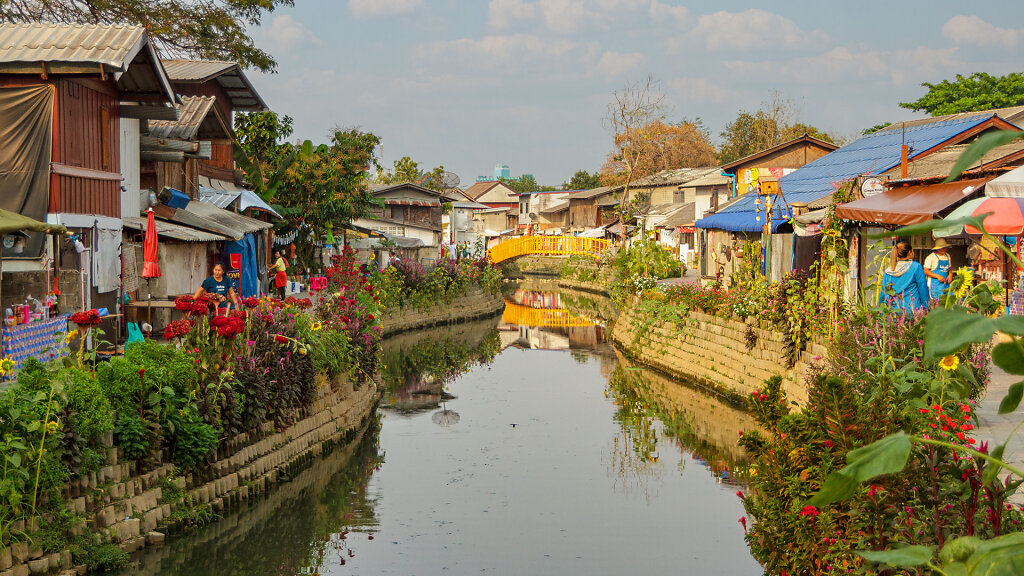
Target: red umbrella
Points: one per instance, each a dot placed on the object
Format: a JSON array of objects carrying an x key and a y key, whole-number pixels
[
  {"x": 150, "y": 267},
  {"x": 1007, "y": 216}
]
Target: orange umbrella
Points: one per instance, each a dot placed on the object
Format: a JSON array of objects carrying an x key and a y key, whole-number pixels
[{"x": 150, "y": 266}]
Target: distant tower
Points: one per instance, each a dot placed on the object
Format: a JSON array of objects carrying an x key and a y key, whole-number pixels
[{"x": 502, "y": 171}]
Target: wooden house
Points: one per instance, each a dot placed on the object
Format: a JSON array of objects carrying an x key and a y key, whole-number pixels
[
  {"x": 408, "y": 211},
  {"x": 64, "y": 89},
  {"x": 775, "y": 162}
]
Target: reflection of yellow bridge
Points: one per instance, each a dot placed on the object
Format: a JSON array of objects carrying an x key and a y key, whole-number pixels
[
  {"x": 543, "y": 317},
  {"x": 547, "y": 245}
]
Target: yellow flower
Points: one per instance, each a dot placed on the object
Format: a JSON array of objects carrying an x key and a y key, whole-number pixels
[
  {"x": 949, "y": 363},
  {"x": 6, "y": 365},
  {"x": 71, "y": 336},
  {"x": 316, "y": 326}
]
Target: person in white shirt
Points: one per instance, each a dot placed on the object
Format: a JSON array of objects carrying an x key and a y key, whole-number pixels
[{"x": 938, "y": 269}]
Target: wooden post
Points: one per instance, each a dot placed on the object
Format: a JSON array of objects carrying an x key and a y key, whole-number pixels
[{"x": 903, "y": 160}]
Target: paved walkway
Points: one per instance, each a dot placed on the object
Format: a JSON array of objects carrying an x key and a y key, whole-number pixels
[{"x": 994, "y": 428}]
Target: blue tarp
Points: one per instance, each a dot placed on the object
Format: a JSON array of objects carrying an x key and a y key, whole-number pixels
[
  {"x": 241, "y": 265},
  {"x": 871, "y": 155}
]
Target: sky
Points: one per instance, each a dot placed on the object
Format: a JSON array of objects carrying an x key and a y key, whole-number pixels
[{"x": 471, "y": 83}]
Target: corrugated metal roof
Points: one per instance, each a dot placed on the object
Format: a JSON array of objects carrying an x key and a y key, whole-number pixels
[
  {"x": 249, "y": 199},
  {"x": 940, "y": 163},
  {"x": 586, "y": 194},
  {"x": 684, "y": 216},
  {"x": 219, "y": 198},
  {"x": 191, "y": 113},
  {"x": 873, "y": 154},
  {"x": 81, "y": 49},
  {"x": 231, "y": 221},
  {"x": 173, "y": 231},
  {"x": 229, "y": 75},
  {"x": 113, "y": 46},
  {"x": 715, "y": 179}
]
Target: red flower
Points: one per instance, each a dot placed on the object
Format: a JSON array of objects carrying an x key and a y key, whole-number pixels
[
  {"x": 251, "y": 302},
  {"x": 87, "y": 318},
  {"x": 178, "y": 328},
  {"x": 239, "y": 314},
  {"x": 369, "y": 316},
  {"x": 829, "y": 443},
  {"x": 280, "y": 339},
  {"x": 142, "y": 371},
  {"x": 739, "y": 494},
  {"x": 218, "y": 321},
  {"x": 809, "y": 511},
  {"x": 743, "y": 522}
]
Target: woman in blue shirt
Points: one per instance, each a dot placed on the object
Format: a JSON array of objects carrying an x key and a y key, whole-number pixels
[
  {"x": 904, "y": 285},
  {"x": 219, "y": 288}
]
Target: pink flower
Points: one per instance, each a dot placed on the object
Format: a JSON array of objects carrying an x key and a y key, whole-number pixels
[{"x": 809, "y": 511}]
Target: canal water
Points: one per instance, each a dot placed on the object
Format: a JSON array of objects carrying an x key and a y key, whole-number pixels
[{"x": 518, "y": 445}]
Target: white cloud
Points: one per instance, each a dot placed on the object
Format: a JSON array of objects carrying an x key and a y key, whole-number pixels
[
  {"x": 567, "y": 16},
  {"x": 698, "y": 91},
  {"x": 748, "y": 30},
  {"x": 505, "y": 51},
  {"x": 973, "y": 31},
  {"x": 374, "y": 8},
  {"x": 615, "y": 64},
  {"x": 895, "y": 67},
  {"x": 667, "y": 13},
  {"x": 285, "y": 32}
]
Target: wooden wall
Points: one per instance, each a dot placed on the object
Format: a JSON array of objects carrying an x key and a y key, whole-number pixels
[{"x": 87, "y": 138}]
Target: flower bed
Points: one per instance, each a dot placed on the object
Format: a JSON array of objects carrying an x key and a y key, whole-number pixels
[
  {"x": 877, "y": 381},
  {"x": 410, "y": 284},
  {"x": 217, "y": 377}
]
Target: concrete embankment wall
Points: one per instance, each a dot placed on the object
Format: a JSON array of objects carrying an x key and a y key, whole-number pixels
[
  {"x": 476, "y": 303},
  {"x": 126, "y": 507},
  {"x": 713, "y": 352}
]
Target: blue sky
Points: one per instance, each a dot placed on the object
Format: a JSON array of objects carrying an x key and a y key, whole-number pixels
[{"x": 469, "y": 83}]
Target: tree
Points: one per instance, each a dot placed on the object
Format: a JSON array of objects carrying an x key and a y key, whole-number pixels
[
  {"x": 213, "y": 29},
  {"x": 683, "y": 145},
  {"x": 979, "y": 91},
  {"x": 772, "y": 124},
  {"x": 583, "y": 180},
  {"x": 525, "y": 183},
  {"x": 326, "y": 187},
  {"x": 875, "y": 128},
  {"x": 631, "y": 113},
  {"x": 258, "y": 151},
  {"x": 408, "y": 170}
]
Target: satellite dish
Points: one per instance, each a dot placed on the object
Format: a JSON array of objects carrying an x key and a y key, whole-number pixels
[{"x": 450, "y": 180}]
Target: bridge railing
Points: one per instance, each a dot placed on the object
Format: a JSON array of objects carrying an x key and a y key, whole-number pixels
[{"x": 547, "y": 245}]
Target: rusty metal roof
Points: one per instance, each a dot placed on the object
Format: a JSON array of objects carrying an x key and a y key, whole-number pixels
[
  {"x": 123, "y": 51},
  {"x": 193, "y": 114},
  {"x": 173, "y": 231},
  {"x": 229, "y": 75}
]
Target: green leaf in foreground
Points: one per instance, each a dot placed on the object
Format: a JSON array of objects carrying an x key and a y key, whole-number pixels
[
  {"x": 902, "y": 557},
  {"x": 1010, "y": 357},
  {"x": 886, "y": 456},
  {"x": 1002, "y": 556},
  {"x": 1012, "y": 398},
  {"x": 992, "y": 470},
  {"x": 946, "y": 330}
]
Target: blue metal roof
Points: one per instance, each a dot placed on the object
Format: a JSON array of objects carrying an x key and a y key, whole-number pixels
[{"x": 871, "y": 155}]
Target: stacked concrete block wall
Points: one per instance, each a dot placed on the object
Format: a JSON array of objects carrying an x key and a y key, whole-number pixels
[
  {"x": 129, "y": 509},
  {"x": 713, "y": 352},
  {"x": 476, "y": 303},
  {"x": 598, "y": 278}
]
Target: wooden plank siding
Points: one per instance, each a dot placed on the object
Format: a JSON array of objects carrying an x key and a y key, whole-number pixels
[{"x": 86, "y": 136}]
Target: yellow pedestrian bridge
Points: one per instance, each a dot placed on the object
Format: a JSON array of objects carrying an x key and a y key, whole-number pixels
[
  {"x": 543, "y": 317},
  {"x": 547, "y": 246}
]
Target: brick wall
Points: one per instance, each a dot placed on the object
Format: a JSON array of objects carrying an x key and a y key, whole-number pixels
[{"x": 712, "y": 351}]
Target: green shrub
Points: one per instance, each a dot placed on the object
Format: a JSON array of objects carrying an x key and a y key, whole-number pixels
[
  {"x": 131, "y": 435},
  {"x": 192, "y": 441},
  {"x": 91, "y": 413},
  {"x": 99, "y": 557}
]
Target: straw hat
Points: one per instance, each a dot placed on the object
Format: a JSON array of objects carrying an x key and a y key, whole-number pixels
[{"x": 940, "y": 244}]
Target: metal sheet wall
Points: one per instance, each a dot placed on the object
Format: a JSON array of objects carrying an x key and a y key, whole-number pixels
[
  {"x": 87, "y": 196},
  {"x": 131, "y": 203}
]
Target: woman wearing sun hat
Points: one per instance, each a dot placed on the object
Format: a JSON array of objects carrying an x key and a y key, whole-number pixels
[{"x": 938, "y": 269}]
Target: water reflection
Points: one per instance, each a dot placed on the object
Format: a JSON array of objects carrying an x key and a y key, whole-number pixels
[
  {"x": 322, "y": 517},
  {"x": 507, "y": 459},
  {"x": 417, "y": 366}
]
